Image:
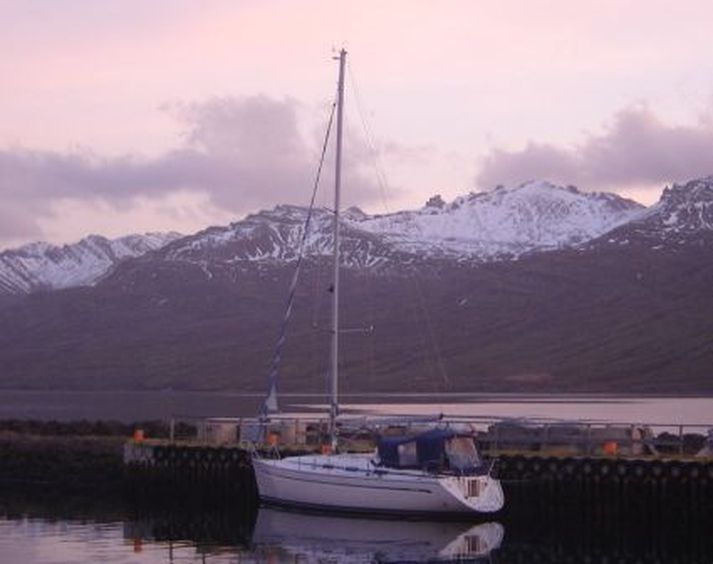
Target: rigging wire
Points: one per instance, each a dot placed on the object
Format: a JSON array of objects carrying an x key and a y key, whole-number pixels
[
  {"x": 375, "y": 155},
  {"x": 270, "y": 403},
  {"x": 383, "y": 184}
]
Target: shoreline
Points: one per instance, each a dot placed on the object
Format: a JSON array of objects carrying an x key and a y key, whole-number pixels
[
  {"x": 368, "y": 395},
  {"x": 126, "y": 408}
]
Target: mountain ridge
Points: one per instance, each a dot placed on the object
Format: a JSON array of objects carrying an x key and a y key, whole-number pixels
[
  {"x": 42, "y": 266},
  {"x": 501, "y": 224},
  {"x": 504, "y": 224},
  {"x": 683, "y": 216}
]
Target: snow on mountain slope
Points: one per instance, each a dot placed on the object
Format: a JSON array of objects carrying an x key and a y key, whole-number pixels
[
  {"x": 503, "y": 223},
  {"x": 507, "y": 222},
  {"x": 44, "y": 266},
  {"x": 683, "y": 208},
  {"x": 683, "y": 215},
  {"x": 274, "y": 236}
]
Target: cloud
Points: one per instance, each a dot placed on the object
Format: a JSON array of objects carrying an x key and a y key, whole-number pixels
[
  {"x": 243, "y": 153},
  {"x": 637, "y": 149},
  {"x": 16, "y": 223}
]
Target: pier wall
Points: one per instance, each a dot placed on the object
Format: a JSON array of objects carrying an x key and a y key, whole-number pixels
[
  {"x": 225, "y": 472},
  {"x": 195, "y": 473}
]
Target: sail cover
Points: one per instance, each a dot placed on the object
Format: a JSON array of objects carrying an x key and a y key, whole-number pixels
[{"x": 436, "y": 448}]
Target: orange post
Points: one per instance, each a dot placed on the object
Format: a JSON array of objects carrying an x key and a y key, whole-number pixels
[{"x": 610, "y": 448}]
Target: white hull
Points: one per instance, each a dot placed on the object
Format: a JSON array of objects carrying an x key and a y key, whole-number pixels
[{"x": 351, "y": 482}]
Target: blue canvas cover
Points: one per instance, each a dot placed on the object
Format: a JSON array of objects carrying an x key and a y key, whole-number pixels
[
  {"x": 388, "y": 450},
  {"x": 430, "y": 448}
]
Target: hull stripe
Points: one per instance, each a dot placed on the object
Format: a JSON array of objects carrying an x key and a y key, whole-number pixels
[
  {"x": 349, "y": 484},
  {"x": 337, "y": 509}
]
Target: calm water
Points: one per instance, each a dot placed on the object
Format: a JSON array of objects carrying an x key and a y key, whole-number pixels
[
  {"x": 140, "y": 406},
  {"x": 277, "y": 536},
  {"x": 33, "y": 533}
]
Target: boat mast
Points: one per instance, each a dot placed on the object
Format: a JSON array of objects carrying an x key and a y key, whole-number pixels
[{"x": 334, "y": 400}]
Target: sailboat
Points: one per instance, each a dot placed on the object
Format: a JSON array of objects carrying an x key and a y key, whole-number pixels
[{"x": 435, "y": 472}]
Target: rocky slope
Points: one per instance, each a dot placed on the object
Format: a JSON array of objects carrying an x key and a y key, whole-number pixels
[
  {"x": 41, "y": 266},
  {"x": 683, "y": 217}
]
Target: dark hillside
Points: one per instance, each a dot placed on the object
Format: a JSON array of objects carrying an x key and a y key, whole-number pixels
[{"x": 612, "y": 318}]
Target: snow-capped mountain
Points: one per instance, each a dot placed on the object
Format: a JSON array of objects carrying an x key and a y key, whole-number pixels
[
  {"x": 501, "y": 224},
  {"x": 44, "y": 266},
  {"x": 683, "y": 216},
  {"x": 505, "y": 222}
]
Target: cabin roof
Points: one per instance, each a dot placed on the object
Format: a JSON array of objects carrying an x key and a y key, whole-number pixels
[{"x": 430, "y": 446}]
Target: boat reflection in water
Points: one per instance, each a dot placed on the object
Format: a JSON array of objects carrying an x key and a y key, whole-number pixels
[{"x": 313, "y": 537}]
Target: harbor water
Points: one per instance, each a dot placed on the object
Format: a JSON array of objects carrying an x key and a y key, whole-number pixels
[
  {"x": 35, "y": 531},
  {"x": 152, "y": 405}
]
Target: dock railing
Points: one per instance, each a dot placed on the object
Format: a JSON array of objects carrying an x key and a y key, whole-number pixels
[{"x": 494, "y": 435}]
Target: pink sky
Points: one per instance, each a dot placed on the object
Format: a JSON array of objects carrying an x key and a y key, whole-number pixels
[{"x": 125, "y": 116}]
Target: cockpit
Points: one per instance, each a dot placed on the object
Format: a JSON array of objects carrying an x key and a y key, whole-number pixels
[{"x": 437, "y": 450}]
